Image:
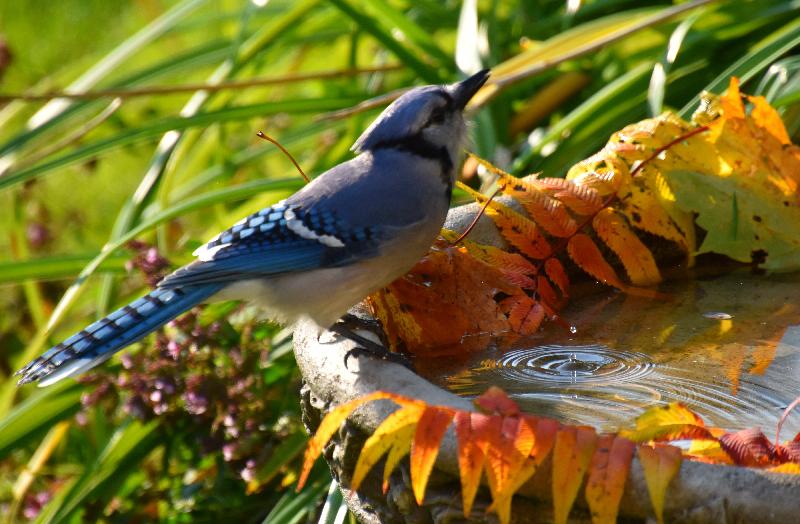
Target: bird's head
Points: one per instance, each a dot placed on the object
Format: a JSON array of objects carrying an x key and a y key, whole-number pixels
[{"x": 428, "y": 120}]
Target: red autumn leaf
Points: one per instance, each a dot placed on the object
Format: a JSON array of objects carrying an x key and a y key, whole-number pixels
[
  {"x": 608, "y": 472},
  {"x": 496, "y": 401},
  {"x": 431, "y": 428},
  {"x": 660, "y": 465},
  {"x": 572, "y": 453},
  {"x": 749, "y": 447}
]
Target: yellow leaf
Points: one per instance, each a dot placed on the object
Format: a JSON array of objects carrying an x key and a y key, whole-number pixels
[
  {"x": 608, "y": 472},
  {"x": 573, "y": 451},
  {"x": 660, "y": 464},
  {"x": 671, "y": 422},
  {"x": 329, "y": 425},
  {"x": 394, "y": 435},
  {"x": 638, "y": 260}
]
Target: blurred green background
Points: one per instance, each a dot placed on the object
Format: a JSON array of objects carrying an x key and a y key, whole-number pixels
[{"x": 201, "y": 422}]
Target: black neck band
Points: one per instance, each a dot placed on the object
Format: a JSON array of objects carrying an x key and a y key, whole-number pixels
[{"x": 417, "y": 145}]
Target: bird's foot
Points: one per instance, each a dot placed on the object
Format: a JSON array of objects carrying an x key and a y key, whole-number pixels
[{"x": 366, "y": 346}]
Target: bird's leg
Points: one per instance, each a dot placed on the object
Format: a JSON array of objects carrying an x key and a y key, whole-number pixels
[{"x": 346, "y": 328}]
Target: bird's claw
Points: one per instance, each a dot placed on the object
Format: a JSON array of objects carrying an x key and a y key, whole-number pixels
[{"x": 380, "y": 353}]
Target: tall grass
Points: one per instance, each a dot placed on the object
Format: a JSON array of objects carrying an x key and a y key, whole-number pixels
[{"x": 199, "y": 422}]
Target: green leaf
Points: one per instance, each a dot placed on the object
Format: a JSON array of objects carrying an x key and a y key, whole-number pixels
[{"x": 739, "y": 220}]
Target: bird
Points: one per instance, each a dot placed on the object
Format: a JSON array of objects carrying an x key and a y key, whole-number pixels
[{"x": 349, "y": 232}]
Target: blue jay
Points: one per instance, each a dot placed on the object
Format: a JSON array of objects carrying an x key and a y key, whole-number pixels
[{"x": 349, "y": 232}]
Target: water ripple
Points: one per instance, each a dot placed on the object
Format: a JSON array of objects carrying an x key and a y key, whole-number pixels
[{"x": 573, "y": 364}]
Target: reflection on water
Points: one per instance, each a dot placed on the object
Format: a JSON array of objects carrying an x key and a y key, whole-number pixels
[{"x": 729, "y": 348}]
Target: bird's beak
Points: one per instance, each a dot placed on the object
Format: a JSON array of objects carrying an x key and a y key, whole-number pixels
[{"x": 463, "y": 91}]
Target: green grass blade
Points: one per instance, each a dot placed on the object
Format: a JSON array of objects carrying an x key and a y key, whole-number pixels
[
  {"x": 121, "y": 457},
  {"x": 763, "y": 54},
  {"x": 370, "y": 25},
  {"x": 597, "y": 103},
  {"x": 332, "y": 510},
  {"x": 292, "y": 507},
  {"x": 56, "y": 267},
  {"x": 37, "y": 413},
  {"x": 392, "y": 18},
  {"x": 105, "y": 66},
  {"x": 159, "y": 127}
]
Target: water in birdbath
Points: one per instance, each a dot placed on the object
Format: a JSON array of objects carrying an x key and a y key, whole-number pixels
[{"x": 727, "y": 347}]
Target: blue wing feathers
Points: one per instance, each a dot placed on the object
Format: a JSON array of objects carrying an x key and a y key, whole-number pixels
[{"x": 103, "y": 338}]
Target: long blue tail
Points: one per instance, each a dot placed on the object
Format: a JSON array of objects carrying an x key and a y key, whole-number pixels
[{"x": 99, "y": 341}]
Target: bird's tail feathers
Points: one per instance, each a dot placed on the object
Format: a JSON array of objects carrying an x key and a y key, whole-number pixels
[{"x": 99, "y": 341}]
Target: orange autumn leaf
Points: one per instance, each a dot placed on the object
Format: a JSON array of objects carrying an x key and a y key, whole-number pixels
[
  {"x": 446, "y": 303},
  {"x": 608, "y": 472},
  {"x": 767, "y": 117},
  {"x": 509, "y": 445},
  {"x": 545, "y": 210},
  {"x": 544, "y": 431},
  {"x": 639, "y": 262},
  {"x": 660, "y": 465},
  {"x": 581, "y": 199},
  {"x": 431, "y": 427},
  {"x": 555, "y": 272},
  {"x": 393, "y": 436},
  {"x": 516, "y": 268},
  {"x": 572, "y": 454},
  {"x": 587, "y": 255},
  {"x": 546, "y": 293},
  {"x": 525, "y": 315},
  {"x": 519, "y": 230},
  {"x": 671, "y": 422},
  {"x": 470, "y": 431}
]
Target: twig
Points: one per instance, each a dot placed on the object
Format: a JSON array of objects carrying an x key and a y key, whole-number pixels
[
  {"x": 262, "y": 135},
  {"x": 478, "y": 216},
  {"x": 188, "y": 88}
]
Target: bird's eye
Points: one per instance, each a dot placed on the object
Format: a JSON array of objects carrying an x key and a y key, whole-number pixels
[{"x": 437, "y": 116}]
